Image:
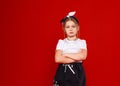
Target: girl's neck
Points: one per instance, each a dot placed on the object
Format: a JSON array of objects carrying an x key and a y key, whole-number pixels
[{"x": 72, "y": 38}]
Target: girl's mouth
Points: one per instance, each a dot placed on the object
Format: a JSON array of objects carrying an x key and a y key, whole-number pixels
[{"x": 71, "y": 32}]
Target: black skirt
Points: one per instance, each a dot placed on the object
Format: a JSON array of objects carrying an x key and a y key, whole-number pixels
[{"x": 70, "y": 75}]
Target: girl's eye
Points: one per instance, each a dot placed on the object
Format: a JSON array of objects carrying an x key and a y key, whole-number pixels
[
  {"x": 73, "y": 26},
  {"x": 67, "y": 26}
]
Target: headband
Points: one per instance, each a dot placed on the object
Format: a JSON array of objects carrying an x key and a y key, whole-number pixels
[{"x": 71, "y": 14}]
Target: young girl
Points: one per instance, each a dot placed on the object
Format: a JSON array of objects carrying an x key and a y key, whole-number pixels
[{"x": 70, "y": 53}]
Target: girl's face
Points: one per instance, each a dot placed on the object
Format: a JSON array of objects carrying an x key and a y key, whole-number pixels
[{"x": 71, "y": 28}]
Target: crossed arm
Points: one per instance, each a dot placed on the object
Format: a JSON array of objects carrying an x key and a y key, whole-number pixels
[{"x": 70, "y": 57}]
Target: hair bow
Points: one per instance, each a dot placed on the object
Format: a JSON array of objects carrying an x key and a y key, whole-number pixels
[{"x": 71, "y": 14}]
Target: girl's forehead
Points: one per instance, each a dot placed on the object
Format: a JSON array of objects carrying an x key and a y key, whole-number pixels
[{"x": 70, "y": 22}]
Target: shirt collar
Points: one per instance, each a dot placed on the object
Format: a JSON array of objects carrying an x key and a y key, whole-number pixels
[{"x": 71, "y": 41}]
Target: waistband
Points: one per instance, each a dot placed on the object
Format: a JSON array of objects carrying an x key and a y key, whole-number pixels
[
  {"x": 74, "y": 63},
  {"x": 70, "y": 66}
]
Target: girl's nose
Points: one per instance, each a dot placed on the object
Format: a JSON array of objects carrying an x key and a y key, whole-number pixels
[{"x": 71, "y": 28}]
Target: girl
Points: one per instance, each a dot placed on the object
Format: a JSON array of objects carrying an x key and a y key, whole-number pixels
[{"x": 70, "y": 53}]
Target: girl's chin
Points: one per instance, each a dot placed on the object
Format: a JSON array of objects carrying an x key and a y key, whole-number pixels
[{"x": 71, "y": 35}]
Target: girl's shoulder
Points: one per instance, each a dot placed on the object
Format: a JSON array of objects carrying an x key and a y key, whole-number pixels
[
  {"x": 82, "y": 40},
  {"x": 60, "y": 40}
]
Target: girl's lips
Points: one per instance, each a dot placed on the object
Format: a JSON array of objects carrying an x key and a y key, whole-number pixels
[{"x": 71, "y": 32}]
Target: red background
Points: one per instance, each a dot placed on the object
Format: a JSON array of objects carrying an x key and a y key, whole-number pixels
[{"x": 30, "y": 29}]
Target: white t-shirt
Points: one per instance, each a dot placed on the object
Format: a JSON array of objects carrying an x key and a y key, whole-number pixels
[{"x": 68, "y": 46}]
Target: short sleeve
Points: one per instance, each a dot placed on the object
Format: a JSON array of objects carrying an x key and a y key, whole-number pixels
[
  {"x": 59, "y": 45},
  {"x": 83, "y": 44}
]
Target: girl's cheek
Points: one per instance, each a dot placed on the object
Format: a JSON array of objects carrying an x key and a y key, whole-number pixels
[{"x": 66, "y": 31}]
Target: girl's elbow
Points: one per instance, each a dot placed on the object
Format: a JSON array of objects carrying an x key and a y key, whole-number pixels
[
  {"x": 57, "y": 60},
  {"x": 79, "y": 58},
  {"x": 84, "y": 57}
]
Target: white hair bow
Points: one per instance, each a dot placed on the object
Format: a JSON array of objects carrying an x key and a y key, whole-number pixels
[{"x": 71, "y": 14}]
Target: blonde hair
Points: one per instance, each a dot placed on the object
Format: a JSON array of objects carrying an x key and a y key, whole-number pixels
[{"x": 72, "y": 18}]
